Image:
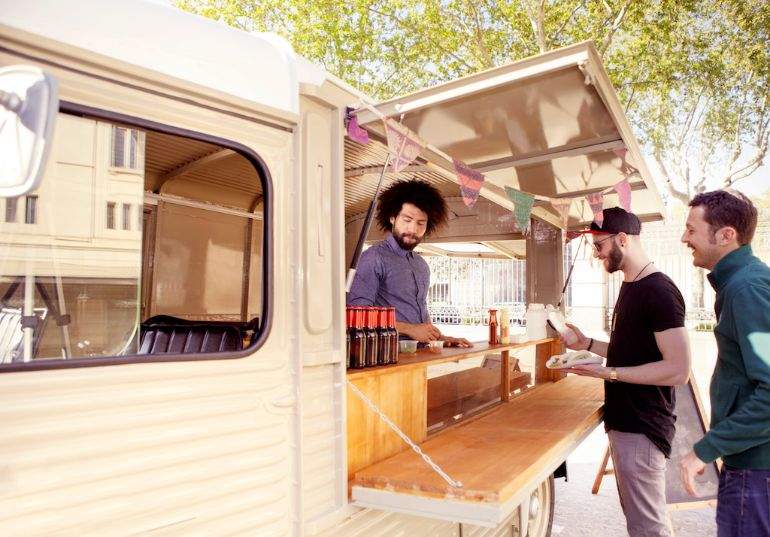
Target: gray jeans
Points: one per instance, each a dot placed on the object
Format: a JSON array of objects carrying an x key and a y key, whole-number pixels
[{"x": 640, "y": 472}]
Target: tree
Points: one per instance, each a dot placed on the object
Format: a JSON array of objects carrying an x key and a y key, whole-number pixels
[{"x": 693, "y": 74}]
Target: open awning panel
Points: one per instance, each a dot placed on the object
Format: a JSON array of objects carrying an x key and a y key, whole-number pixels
[
  {"x": 550, "y": 125},
  {"x": 499, "y": 458}
]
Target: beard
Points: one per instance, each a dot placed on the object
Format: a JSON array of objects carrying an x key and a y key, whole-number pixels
[
  {"x": 614, "y": 259},
  {"x": 409, "y": 246}
]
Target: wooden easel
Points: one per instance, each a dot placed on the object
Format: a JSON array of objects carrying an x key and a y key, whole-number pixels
[{"x": 603, "y": 470}]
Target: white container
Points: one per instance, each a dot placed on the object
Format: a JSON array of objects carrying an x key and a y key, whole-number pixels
[
  {"x": 559, "y": 324},
  {"x": 536, "y": 319}
]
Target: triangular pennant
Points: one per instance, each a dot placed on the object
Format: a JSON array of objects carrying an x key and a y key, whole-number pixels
[
  {"x": 625, "y": 167},
  {"x": 596, "y": 201},
  {"x": 562, "y": 206},
  {"x": 355, "y": 132},
  {"x": 403, "y": 144},
  {"x": 522, "y": 207},
  {"x": 624, "y": 194},
  {"x": 470, "y": 182}
]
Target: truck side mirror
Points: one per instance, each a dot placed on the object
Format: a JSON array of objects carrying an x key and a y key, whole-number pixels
[{"x": 29, "y": 103}]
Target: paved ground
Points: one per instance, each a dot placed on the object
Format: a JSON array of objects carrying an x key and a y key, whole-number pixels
[{"x": 581, "y": 514}]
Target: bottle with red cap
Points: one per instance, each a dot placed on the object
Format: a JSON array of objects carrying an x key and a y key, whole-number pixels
[
  {"x": 370, "y": 359},
  {"x": 357, "y": 339},
  {"x": 393, "y": 335},
  {"x": 383, "y": 337}
]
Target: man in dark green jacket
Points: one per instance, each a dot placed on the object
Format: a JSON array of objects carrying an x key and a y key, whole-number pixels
[{"x": 719, "y": 230}]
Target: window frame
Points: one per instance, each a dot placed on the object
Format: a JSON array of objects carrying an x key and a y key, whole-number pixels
[
  {"x": 130, "y": 144},
  {"x": 30, "y": 209},
  {"x": 67, "y": 107}
]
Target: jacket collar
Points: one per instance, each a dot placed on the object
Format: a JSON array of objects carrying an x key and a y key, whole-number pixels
[
  {"x": 729, "y": 265},
  {"x": 391, "y": 240}
]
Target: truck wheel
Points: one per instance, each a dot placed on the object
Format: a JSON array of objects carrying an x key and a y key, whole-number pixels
[{"x": 540, "y": 511}]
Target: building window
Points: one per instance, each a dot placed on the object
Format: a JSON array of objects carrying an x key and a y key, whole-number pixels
[
  {"x": 127, "y": 216},
  {"x": 110, "y": 215},
  {"x": 30, "y": 214},
  {"x": 124, "y": 148},
  {"x": 10, "y": 209}
]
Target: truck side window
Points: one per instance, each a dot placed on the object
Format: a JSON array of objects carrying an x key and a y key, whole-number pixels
[{"x": 145, "y": 245}]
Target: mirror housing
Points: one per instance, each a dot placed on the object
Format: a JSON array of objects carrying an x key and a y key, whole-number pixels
[{"x": 29, "y": 104}]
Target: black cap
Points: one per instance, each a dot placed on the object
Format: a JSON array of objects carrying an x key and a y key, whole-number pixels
[{"x": 617, "y": 220}]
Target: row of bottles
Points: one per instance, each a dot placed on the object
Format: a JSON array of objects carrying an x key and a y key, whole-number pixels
[
  {"x": 372, "y": 338},
  {"x": 499, "y": 334}
]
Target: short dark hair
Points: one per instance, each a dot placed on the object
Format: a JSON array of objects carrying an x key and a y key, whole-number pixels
[
  {"x": 420, "y": 194},
  {"x": 723, "y": 208}
]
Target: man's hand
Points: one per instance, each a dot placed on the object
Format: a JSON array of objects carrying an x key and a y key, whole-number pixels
[
  {"x": 456, "y": 342},
  {"x": 689, "y": 466},
  {"x": 422, "y": 332},
  {"x": 590, "y": 370},
  {"x": 582, "y": 342}
]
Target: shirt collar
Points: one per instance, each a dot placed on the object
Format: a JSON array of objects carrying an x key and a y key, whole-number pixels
[
  {"x": 391, "y": 240},
  {"x": 729, "y": 265}
]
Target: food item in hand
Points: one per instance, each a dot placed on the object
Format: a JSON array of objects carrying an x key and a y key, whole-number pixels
[{"x": 572, "y": 358}]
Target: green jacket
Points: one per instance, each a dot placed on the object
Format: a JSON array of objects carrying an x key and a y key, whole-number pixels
[{"x": 740, "y": 386}]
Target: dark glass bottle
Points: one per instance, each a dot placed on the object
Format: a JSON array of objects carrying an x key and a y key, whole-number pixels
[
  {"x": 348, "y": 335},
  {"x": 393, "y": 335},
  {"x": 357, "y": 340},
  {"x": 383, "y": 337},
  {"x": 371, "y": 337}
]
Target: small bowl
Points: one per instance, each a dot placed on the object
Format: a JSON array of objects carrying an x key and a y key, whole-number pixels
[
  {"x": 407, "y": 346},
  {"x": 435, "y": 346}
]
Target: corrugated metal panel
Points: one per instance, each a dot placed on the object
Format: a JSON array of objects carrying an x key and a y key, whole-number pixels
[
  {"x": 319, "y": 474},
  {"x": 374, "y": 523}
]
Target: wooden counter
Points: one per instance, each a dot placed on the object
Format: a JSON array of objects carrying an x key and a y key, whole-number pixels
[
  {"x": 499, "y": 457},
  {"x": 400, "y": 391}
]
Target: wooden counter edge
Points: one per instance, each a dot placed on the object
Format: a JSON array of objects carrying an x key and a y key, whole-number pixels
[{"x": 424, "y": 358}]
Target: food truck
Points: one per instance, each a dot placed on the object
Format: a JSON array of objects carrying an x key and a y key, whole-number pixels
[{"x": 172, "y": 333}]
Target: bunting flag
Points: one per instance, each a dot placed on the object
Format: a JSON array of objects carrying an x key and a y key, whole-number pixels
[
  {"x": 596, "y": 201},
  {"x": 562, "y": 206},
  {"x": 625, "y": 167},
  {"x": 403, "y": 144},
  {"x": 522, "y": 207},
  {"x": 470, "y": 182},
  {"x": 624, "y": 194},
  {"x": 355, "y": 132}
]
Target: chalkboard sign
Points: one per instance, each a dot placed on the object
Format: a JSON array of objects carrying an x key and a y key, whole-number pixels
[{"x": 690, "y": 427}]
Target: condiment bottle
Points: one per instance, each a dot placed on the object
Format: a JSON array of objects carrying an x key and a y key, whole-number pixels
[
  {"x": 505, "y": 328},
  {"x": 371, "y": 338},
  {"x": 393, "y": 335},
  {"x": 493, "y": 327},
  {"x": 348, "y": 334},
  {"x": 358, "y": 340},
  {"x": 383, "y": 337}
]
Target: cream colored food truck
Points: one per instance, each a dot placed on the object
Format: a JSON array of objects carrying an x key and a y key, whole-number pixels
[{"x": 172, "y": 334}]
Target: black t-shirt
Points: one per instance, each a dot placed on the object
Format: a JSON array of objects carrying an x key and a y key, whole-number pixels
[{"x": 651, "y": 304}]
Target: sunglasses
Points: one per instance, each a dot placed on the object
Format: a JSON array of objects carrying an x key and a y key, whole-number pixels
[{"x": 598, "y": 244}]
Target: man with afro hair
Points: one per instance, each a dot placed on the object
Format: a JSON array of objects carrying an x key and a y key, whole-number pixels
[{"x": 389, "y": 273}]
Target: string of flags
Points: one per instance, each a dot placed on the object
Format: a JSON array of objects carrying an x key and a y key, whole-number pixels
[{"x": 404, "y": 146}]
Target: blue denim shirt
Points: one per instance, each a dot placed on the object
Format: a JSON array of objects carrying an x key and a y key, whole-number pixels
[{"x": 388, "y": 275}]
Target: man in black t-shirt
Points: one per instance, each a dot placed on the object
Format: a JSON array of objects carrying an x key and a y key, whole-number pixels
[{"x": 648, "y": 353}]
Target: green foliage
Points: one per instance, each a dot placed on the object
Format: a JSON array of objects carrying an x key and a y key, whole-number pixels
[{"x": 693, "y": 74}]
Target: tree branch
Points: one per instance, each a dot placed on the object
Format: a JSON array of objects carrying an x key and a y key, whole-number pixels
[
  {"x": 675, "y": 192},
  {"x": 614, "y": 28}
]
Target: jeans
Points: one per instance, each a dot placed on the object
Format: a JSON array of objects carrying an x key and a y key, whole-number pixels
[{"x": 743, "y": 503}]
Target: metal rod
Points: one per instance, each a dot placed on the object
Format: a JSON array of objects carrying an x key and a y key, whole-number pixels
[
  {"x": 569, "y": 274},
  {"x": 365, "y": 229}
]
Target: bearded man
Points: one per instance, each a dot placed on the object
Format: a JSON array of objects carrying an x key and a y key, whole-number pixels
[
  {"x": 390, "y": 273},
  {"x": 647, "y": 354}
]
